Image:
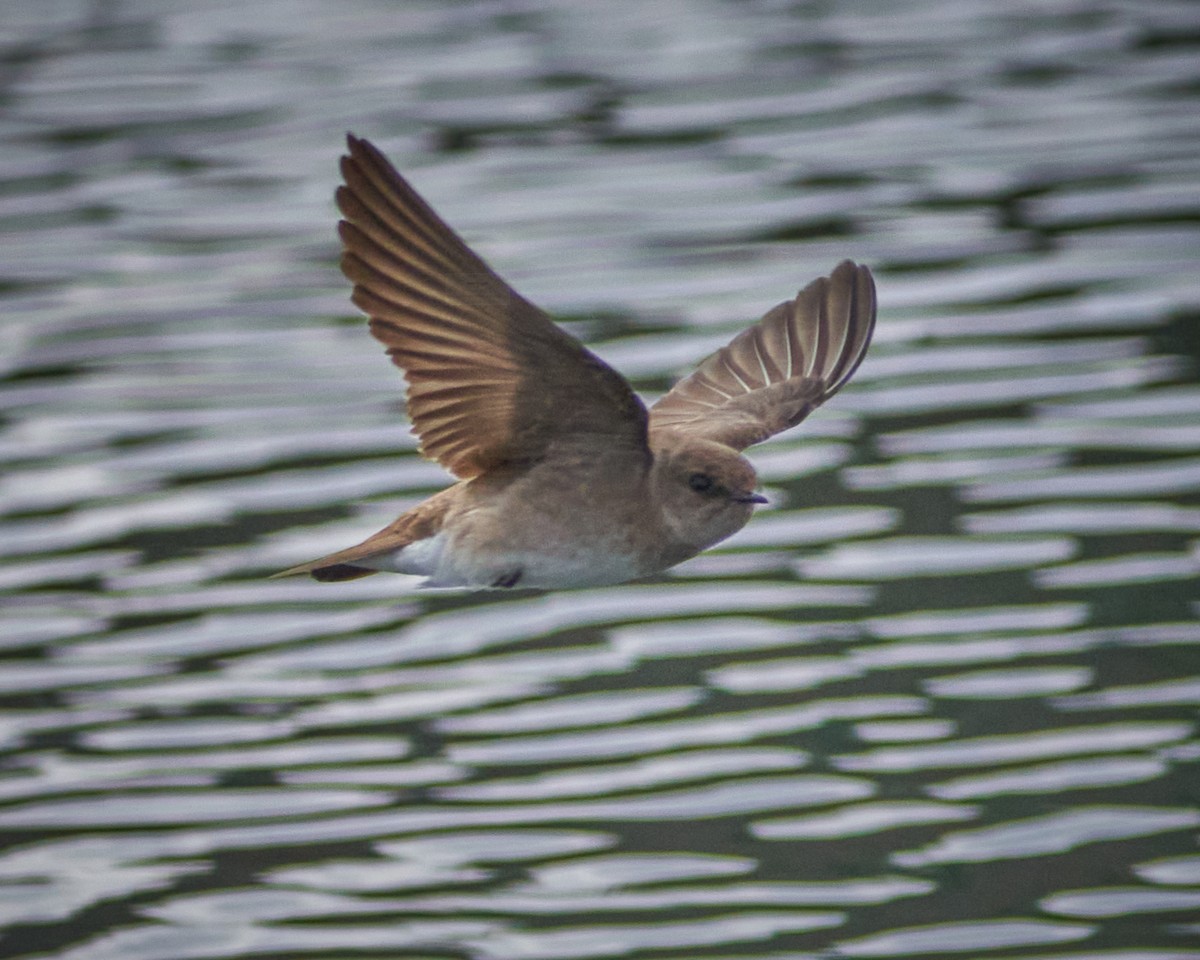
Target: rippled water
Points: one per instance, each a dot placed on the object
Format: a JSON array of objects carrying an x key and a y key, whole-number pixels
[{"x": 939, "y": 699}]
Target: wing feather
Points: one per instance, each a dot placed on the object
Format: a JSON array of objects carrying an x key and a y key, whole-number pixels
[
  {"x": 491, "y": 378},
  {"x": 772, "y": 375}
]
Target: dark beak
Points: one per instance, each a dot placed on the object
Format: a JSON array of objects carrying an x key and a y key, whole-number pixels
[{"x": 751, "y": 498}]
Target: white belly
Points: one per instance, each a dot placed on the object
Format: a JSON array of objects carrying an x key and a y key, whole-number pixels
[{"x": 445, "y": 563}]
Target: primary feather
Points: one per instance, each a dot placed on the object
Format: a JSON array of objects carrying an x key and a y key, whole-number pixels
[{"x": 772, "y": 375}]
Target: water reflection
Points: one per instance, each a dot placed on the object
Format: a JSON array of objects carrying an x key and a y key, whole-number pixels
[{"x": 905, "y": 712}]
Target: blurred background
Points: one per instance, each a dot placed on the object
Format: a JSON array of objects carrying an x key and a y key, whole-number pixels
[{"x": 938, "y": 699}]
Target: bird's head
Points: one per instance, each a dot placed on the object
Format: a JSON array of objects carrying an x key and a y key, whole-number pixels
[{"x": 705, "y": 490}]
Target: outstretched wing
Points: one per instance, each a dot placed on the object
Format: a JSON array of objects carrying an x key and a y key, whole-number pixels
[
  {"x": 773, "y": 375},
  {"x": 491, "y": 378}
]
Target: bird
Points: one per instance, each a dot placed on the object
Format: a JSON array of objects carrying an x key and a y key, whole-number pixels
[{"x": 564, "y": 477}]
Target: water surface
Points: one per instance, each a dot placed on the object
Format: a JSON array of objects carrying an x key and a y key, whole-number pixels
[{"x": 939, "y": 699}]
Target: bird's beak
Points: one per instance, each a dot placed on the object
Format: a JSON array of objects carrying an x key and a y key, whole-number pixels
[{"x": 750, "y": 498}]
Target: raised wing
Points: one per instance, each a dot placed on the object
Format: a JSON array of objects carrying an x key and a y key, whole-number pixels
[
  {"x": 774, "y": 374},
  {"x": 491, "y": 378}
]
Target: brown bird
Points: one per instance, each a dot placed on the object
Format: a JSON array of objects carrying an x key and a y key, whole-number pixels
[{"x": 565, "y": 478}]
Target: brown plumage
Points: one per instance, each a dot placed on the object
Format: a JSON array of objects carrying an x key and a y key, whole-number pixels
[
  {"x": 774, "y": 374},
  {"x": 465, "y": 339},
  {"x": 565, "y": 478}
]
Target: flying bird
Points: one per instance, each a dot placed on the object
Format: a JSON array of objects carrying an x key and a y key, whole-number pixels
[{"x": 564, "y": 477}]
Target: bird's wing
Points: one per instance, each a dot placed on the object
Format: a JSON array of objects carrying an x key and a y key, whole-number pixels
[
  {"x": 491, "y": 378},
  {"x": 772, "y": 375}
]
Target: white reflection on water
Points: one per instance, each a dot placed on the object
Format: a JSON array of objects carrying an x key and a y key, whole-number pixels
[
  {"x": 32, "y": 574},
  {"x": 863, "y": 818},
  {"x": 1052, "y": 778},
  {"x": 814, "y": 525},
  {"x": 905, "y": 557},
  {"x": 1008, "y": 748},
  {"x": 1052, "y": 833},
  {"x": 799, "y": 673},
  {"x": 613, "y": 871},
  {"x": 927, "y": 471},
  {"x": 982, "y": 392},
  {"x": 47, "y": 773},
  {"x": 1119, "y": 902},
  {"x": 689, "y": 638},
  {"x": 1005, "y": 684},
  {"x": 226, "y": 632},
  {"x": 956, "y": 938},
  {"x": 636, "y": 739},
  {"x": 188, "y": 405},
  {"x": 1134, "y": 568},
  {"x": 438, "y": 860},
  {"x": 1183, "y": 691},
  {"x": 607, "y": 778},
  {"x": 43, "y": 889},
  {"x": 34, "y": 675},
  {"x": 1059, "y": 434},
  {"x": 903, "y": 731},
  {"x": 1096, "y": 518},
  {"x": 548, "y": 899},
  {"x": 1180, "y": 475},
  {"x": 185, "y": 806},
  {"x": 471, "y": 630},
  {"x": 181, "y": 734},
  {"x": 1172, "y": 870},
  {"x": 584, "y": 710},
  {"x": 625, "y": 938},
  {"x": 932, "y": 623},
  {"x": 197, "y": 942}
]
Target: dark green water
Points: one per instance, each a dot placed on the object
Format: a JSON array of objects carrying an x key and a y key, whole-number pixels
[{"x": 938, "y": 700}]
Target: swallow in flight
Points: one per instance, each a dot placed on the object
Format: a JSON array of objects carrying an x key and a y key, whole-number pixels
[{"x": 565, "y": 478}]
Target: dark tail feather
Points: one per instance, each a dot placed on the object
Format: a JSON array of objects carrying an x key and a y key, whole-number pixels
[
  {"x": 326, "y": 574},
  {"x": 340, "y": 571}
]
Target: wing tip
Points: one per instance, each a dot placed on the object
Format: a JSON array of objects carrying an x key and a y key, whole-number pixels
[
  {"x": 850, "y": 302},
  {"x": 820, "y": 337},
  {"x": 359, "y": 146}
]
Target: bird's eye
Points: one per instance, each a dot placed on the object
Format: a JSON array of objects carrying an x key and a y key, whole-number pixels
[{"x": 700, "y": 482}]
